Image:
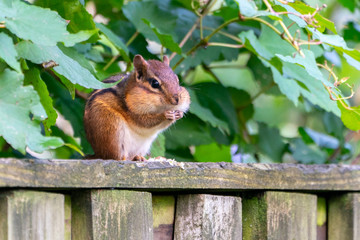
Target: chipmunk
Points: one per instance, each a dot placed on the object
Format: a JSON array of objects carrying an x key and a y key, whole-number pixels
[{"x": 121, "y": 122}]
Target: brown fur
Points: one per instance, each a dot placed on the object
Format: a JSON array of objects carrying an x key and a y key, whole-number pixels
[{"x": 132, "y": 103}]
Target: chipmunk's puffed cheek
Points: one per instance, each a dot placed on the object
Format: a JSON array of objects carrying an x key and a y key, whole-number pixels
[{"x": 184, "y": 102}]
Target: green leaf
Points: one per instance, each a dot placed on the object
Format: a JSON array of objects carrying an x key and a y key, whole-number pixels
[
  {"x": 307, "y": 154},
  {"x": 272, "y": 110},
  {"x": 212, "y": 153},
  {"x": 71, "y": 109},
  {"x": 311, "y": 88},
  {"x": 301, "y": 8},
  {"x": 186, "y": 132},
  {"x": 289, "y": 87},
  {"x": 158, "y": 146},
  {"x": 253, "y": 44},
  {"x": 271, "y": 143},
  {"x": 16, "y": 104},
  {"x": 37, "y": 24},
  {"x": 115, "y": 40},
  {"x": 247, "y": 7},
  {"x": 165, "y": 39},
  {"x": 350, "y": 4},
  {"x": 205, "y": 114},
  {"x": 350, "y": 116},
  {"x": 308, "y": 63},
  {"x": 239, "y": 78},
  {"x": 68, "y": 67},
  {"x": 33, "y": 77},
  {"x": 137, "y": 11},
  {"x": 71, "y": 10},
  {"x": 217, "y": 98},
  {"x": 8, "y": 52}
]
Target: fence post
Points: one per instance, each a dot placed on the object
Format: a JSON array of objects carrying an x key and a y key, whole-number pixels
[
  {"x": 31, "y": 215},
  {"x": 203, "y": 216},
  {"x": 111, "y": 214},
  {"x": 344, "y": 217},
  {"x": 279, "y": 215}
]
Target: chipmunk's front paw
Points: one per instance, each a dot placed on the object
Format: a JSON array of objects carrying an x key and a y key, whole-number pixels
[
  {"x": 139, "y": 158},
  {"x": 174, "y": 115}
]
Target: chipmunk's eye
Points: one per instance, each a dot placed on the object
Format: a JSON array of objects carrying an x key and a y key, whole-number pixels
[{"x": 154, "y": 83}]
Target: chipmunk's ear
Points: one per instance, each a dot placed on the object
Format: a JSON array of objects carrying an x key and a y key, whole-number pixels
[
  {"x": 140, "y": 66},
  {"x": 166, "y": 60}
]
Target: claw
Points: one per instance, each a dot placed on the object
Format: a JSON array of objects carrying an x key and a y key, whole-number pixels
[
  {"x": 139, "y": 158},
  {"x": 174, "y": 115}
]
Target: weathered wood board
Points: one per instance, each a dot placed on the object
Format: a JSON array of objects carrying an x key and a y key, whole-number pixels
[
  {"x": 111, "y": 214},
  {"x": 31, "y": 215},
  {"x": 204, "y": 216},
  {"x": 279, "y": 215},
  {"x": 176, "y": 176},
  {"x": 163, "y": 216},
  {"x": 344, "y": 217}
]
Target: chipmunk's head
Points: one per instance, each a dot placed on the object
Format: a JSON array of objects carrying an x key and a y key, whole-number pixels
[{"x": 157, "y": 88}]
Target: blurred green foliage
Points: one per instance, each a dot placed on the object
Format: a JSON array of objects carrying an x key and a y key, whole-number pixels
[{"x": 269, "y": 80}]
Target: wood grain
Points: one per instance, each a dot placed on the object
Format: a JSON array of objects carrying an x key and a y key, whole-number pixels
[
  {"x": 31, "y": 215},
  {"x": 204, "y": 216},
  {"x": 111, "y": 214},
  {"x": 344, "y": 217},
  {"x": 162, "y": 176},
  {"x": 279, "y": 215}
]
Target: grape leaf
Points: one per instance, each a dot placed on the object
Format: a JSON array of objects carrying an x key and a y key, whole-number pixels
[
  {"x": 136, "y": 11},
  {"x": 33, "y": 77},
  {"x": 287, "y": 86},
  {"x": 187, "y": 131},
  {"x": 68, "y": 67},
  {"x": 39, "y": 25},
  {"x": 350, "y": 116},
  {"x": 247, "y": 7},
  {"x": 115, "y": 40},
  {"x": 16, "y": 105},
  {"x": 301, "y": 8},
  {"x": 71, "y": 10},
  {"x": 165, "y": 39},
  {"x": 270, "y": 142},
  {"x": 308, "y": 63},
  {"x": 8, "y": 52},
  {"x": 205, "y": 114},
  {"x": 212, "y": 153}
]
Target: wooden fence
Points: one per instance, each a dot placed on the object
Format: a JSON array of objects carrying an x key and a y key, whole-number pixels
[{"x": 77, "y": 199}]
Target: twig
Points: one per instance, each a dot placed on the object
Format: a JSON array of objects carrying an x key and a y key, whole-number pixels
[
  {"x": 81, "y": 94},
  {"x": 225, "y": 45},
  {"x": 337, "y": 151}
]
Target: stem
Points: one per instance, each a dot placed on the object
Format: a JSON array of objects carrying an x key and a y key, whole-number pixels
[
  {"x": 204, "y": 41},
  {"x": 113, "y": 59},
  {"x": 220, "y": 27},
  {"x": 203, "y": 13},
  {"x": 208, "y": 70},
  {"x": 227, "y": 66},
  {"x": 263, "y": 22},
  {"x": 337, "y": 151},
  {"x": 236, "y": 39},
  {"x": 132, "y": 38},
  {"x": 187, "y": 36},
  {"x": 225, "y": 45}
]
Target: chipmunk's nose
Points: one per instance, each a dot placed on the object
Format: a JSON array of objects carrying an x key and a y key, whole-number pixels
[{"x": 175, "y": 99}]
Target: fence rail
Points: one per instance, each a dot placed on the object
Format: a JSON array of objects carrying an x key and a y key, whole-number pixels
[{"x": 78, "y": 199}]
